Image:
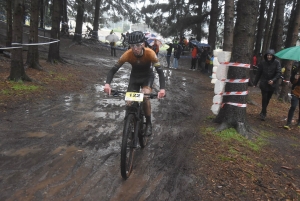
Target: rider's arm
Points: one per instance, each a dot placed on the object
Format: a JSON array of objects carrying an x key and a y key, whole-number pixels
[
  {"x": 112, "y": 72},
  {"x": 161, "y": 77},
  {"x": 110, "y": 76}
]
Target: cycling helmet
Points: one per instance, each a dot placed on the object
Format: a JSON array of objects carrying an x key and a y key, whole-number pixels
[{"x": 136, "y": 37}]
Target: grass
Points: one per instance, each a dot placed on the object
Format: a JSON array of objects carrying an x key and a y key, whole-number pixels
[
  {"x": 232, "y": 135},
  {"x": 18, "y": 88}
]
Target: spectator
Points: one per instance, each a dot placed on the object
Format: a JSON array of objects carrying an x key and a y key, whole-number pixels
[
  {"x": 155, "y": 47},
  {"x": 199, "y": 52},
  {"x": 254, "y": 60},
  {"x": 269, "y": 71},
  {"x": 169, "y": 53},
  {"x": 211, "y": 64},
  {"x": 112, "y": 46},
  {"x": 194, "y": 58},
  {"x": 202, "y": 59},
  {"x": 295, "y": 95},
  {"x": 113, "y": 49},
  {"x": 177, "y": 53}
]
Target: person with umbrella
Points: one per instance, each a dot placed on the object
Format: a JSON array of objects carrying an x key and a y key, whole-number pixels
[
  {"x": 142, "y": 76},
  {"x": 295, "y": 80},
  {"x": 112, "y": 45},
  {"x": 269, "y": 71}
]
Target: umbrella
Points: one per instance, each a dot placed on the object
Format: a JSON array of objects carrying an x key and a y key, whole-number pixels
[
  {"x": 203, "y": 45},
  {"x": 112, "y": 38},
  {"x": 150, "y": 35},
  {"x": 151, "y": 41},
  {"x": 198, "y": 44},
  {"x": 292, "y": 53}
]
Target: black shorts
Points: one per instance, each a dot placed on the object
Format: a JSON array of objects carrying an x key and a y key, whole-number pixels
[{"x": 136, "y": 83}]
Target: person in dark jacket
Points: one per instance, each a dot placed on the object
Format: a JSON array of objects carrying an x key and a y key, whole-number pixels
[
  {"x": 269, "y": 71},
  {"x": 169, "y": 53},
  {"x": 295, "y": 80},
  {"x": 177, "y": 53}
]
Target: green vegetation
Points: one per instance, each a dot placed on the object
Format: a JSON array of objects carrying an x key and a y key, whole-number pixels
[
  {"x": 232, "y": 134},
  {"x": 19, "y": 88}
]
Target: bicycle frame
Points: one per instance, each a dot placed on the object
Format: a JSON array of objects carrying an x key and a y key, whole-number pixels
[
  {"x": 134, "y": 119},
  {"x": 135, "y": 109}
]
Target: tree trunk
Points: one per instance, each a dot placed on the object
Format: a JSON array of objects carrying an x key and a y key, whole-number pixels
[
  {"x": 276, "y": 41},
  {"x": 33, "y": 51},
  {"x": 295, "y": 23},
  {"x": 198, "y": 26},
  {"x": 42, "y": 7},
  {"x": 228, "y": 25},
  {"x": 63, "y": 4},
  {"x": 96, "y": 20},
  {"x": 17, "y": 71},
  {"x": 8, "y": 23},
  {"x": 267, "y": 28},
  {"x": 214, "y": 15},
  {"x": 53, "y": 54},
  {"x": 65, "y": 10},
  {"x": 270, "y": 36},
  {"x": 290, "y": 32},
  {"x": 229, "y": 115},
  {"x": 79, "y": 21},
  {"x": 260, "y": 27}
]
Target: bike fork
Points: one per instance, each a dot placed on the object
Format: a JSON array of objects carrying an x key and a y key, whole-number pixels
[{"x": 136, "y": 131}]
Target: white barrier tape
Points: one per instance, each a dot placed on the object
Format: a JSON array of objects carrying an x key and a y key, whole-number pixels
[
  {"x": 28, "y": 44},
  {"x": 241, "y": 93},
  {"x": 7, "y": 48},
  {"x": 286, "y": 81},
  {"x": 236, "y": 64},
  {"x": 235, "y": 80},
  {"x": 235, "y": 104}
]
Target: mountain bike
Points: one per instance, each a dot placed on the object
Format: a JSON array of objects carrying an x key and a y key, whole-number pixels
[
  {"x": 89, "y": 33},
  {"x": 133, "y": 130}
]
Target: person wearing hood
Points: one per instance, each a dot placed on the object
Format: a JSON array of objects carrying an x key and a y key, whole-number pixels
[{"x": 269, "y": 71}]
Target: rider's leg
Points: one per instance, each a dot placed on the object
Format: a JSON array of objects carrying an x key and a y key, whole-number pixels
[{"x": 147, "y": 110}]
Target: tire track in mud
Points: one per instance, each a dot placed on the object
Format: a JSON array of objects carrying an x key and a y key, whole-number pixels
[{"x": 69, "y": 148}]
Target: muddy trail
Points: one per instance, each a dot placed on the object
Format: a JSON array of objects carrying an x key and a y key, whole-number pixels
[{"x": 68, "y": 147}]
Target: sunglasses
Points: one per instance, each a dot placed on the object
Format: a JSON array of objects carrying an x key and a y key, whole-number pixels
[{"x": 137, "y": 45}]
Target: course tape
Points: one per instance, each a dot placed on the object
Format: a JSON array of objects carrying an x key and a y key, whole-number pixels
[
  {"x": 235, "y": 80},
  {"x": 236, "y": 64},
  {"x": 241, "y": 93},
  {"x": 233, "y": 104},
  {"x": 20, "y": 45}
]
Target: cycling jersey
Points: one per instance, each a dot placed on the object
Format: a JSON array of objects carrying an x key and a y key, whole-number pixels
[{"x": 142, "y": 70}]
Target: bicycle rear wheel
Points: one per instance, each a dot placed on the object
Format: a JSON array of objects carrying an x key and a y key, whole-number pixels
[{"x": 127, "y": 149}]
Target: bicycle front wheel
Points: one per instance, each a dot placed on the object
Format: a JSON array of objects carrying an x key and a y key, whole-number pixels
[
  {"x": 127, "y": 149},
  {"x": 143, "y": 139}
]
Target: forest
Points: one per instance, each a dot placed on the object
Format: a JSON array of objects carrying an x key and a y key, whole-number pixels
[{"x": 243, "y": 27}]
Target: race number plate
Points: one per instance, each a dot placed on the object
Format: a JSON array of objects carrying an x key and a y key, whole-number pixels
[{"x": 134, "y": 96}]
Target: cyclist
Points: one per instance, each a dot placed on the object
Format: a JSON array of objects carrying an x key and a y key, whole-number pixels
[{"x": 142, "y": 61}]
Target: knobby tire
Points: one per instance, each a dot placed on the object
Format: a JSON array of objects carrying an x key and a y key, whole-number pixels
[
  {"x": 142, "y": 138},
  {"x": 127, "y": 150}
]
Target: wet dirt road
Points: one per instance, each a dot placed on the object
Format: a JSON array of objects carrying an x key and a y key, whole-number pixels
[{"x": 69, "y": 148}]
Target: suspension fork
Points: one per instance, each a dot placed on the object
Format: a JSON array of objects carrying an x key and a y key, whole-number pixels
[{"x": 137, "y": 125}]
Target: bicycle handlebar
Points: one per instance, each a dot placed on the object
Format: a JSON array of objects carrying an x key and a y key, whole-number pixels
[{"x": 117, "y": 93}]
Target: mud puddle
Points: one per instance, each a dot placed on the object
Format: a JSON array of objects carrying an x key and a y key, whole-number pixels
[{"x": 69, "y": 148}]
